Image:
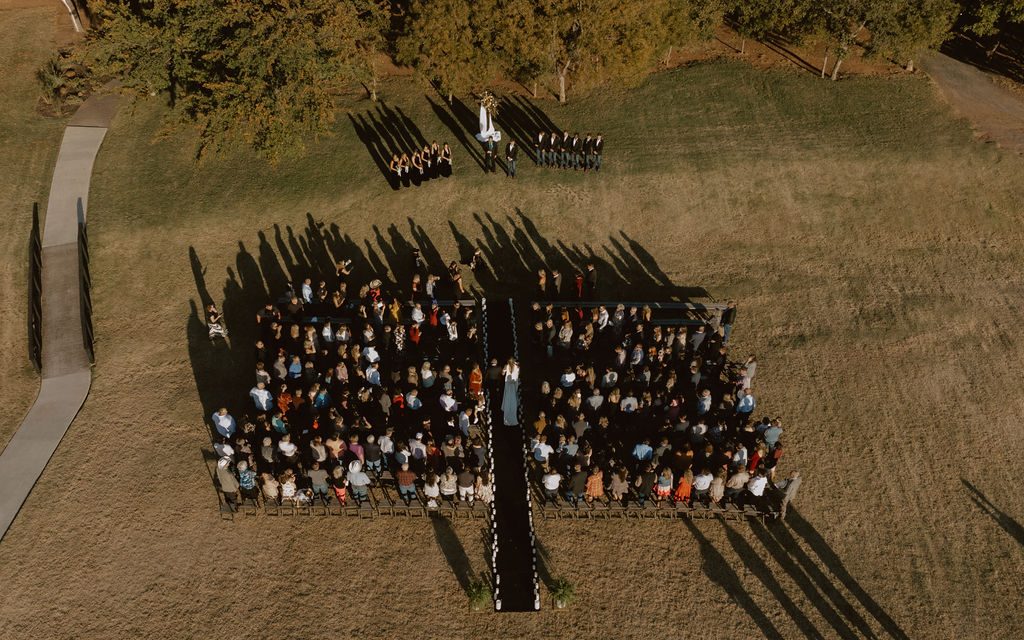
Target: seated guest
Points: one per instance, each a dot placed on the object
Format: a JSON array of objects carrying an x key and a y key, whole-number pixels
[
  {"x": 550, "y": 481},
  {"x": 484, "y": 491},
  {"x": 702, "y": 483}
]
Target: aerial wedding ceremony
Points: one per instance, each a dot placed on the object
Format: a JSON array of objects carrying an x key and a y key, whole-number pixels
[{"x": 511, "y": 319}]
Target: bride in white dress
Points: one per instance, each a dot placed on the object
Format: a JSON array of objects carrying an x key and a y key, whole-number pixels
[{"x": 510, "y": 399}]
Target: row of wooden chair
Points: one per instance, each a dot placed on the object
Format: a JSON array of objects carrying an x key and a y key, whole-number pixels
[{"x": 606, "y": 508}]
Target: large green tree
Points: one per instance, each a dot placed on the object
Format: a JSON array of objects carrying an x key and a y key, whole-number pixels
[
  {"x": 901, "y": 28},
  {"x": 260, "y": 71},
  {"x": 451, "y": 43},
  {"x": 991, "y": 17}
]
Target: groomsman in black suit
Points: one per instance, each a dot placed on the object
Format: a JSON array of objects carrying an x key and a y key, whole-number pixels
[
  {"x": 588, "y": 152},
  {"x": 511, "y": 153},
  {"x": 590, "y": 281},
  {"x": 553, "y": 149},
  {"x": 564, "y": 147},
  {"x": 490, "y": 150},
  {"x": 539, "y": 148},
  {"x": 598, "y": 150},
  {"x": 576, "y": 146}
]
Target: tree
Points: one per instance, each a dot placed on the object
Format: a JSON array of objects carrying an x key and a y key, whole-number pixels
[
  {"x": 601, "y": 39},
  {"x": 451, "y": 43},
  {"x": 521, "y": 41},
  {"x": 260, "y": 71},
  {"x": 688, "y": 20},
  {"x": 759, "y": 19},
  {"x": 901, "y": 28},
  {"x": 990, "y": 17},
  {"x": 371, "y": 40}
]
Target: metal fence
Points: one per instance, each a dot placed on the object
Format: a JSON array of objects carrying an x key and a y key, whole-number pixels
[
  {"x": 35, "y": 292},
  {"x": 84, "y": 286}
]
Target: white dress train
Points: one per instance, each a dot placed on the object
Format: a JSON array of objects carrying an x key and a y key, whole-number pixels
[{"x": 510, "y": 397}]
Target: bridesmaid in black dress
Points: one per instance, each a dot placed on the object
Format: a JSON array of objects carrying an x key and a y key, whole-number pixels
[
  {"x": 428, "y": 163},
  {"x": 404, "y": 166},
  {"x": 435, "y": 155},
  {"x": 446, "y": 160},
  {"x": 417, "y": 168},
  {"x": 395, "y": 167}
]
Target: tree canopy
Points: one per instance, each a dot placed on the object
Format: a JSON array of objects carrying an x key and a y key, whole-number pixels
[
  {"x": 265, "y": 72},
  {"x": 262, "y": 71}
]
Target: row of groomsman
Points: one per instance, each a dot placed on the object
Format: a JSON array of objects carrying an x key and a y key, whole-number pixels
[{"x": 565, "y": 151}]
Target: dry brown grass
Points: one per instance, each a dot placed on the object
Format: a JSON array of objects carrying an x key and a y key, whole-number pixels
[
  {"x": 875, "y": 251},
  {"x": 28, "y": 149}
]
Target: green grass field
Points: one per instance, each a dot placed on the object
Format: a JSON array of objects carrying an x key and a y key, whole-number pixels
[
  {"x": 28, "y": 150},
  {"x": 873, "y": 246}
]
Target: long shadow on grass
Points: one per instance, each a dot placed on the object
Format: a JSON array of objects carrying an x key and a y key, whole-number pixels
[
  {"x": 523, "y": 120},
  {"x": 756, "y": 564},
  {"x": 473, "y": 148},
  {"x": 266, "y": 261},
  {"x": 453, "y": 551},
  {"x": 719, "y": 571},
  {"x": 827, "y": 556},
  {"x": 1008, "y": 524},
  {"x": 387, "y": 131}
]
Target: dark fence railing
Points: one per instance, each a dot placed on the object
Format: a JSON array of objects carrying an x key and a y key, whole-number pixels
[
  {"x": 35, "y": 292},
  {"x": 84, "y": 285}
]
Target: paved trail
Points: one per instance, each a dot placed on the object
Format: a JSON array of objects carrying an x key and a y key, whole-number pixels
[
  {"x": 66, "y": 371},
  {"x": 996, "y": 112}
]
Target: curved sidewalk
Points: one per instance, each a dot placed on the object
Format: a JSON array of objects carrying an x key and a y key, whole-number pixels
[{"x": 66, "y": 370}]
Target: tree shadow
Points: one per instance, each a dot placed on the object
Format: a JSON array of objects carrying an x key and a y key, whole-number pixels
[
  {"x": 719, "y": 571},
  {"x": 1001, "y": 53},
  {"x": 1008, "y": 524},
  {"x": 827, "y": 556},
  {"x": 453, "y": 551},
  {"x": 781, "y": 46}
]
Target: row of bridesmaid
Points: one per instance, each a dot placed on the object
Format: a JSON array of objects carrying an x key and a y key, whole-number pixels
[{"x": 432, "y": 161}]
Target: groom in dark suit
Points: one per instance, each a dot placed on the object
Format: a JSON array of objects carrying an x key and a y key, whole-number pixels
[
  {"x": 511, "y": 153},
  {"x": 490, "y": 150}
]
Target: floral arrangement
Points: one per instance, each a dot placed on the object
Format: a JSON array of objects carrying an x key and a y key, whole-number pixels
[{"x": 489, "y": 102}]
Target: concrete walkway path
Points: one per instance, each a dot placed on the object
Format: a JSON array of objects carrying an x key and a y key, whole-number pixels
[
  {"x": 995, "y": 111},
  {"x": 66, "y": 371}
]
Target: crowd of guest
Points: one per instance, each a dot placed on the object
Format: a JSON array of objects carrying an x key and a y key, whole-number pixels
[
  {"x": 562, "y": 151},
  {"x": 352, "y": 386},
  {"x": 629, "y": 408},
  {"x": 432, "y": 161}
]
